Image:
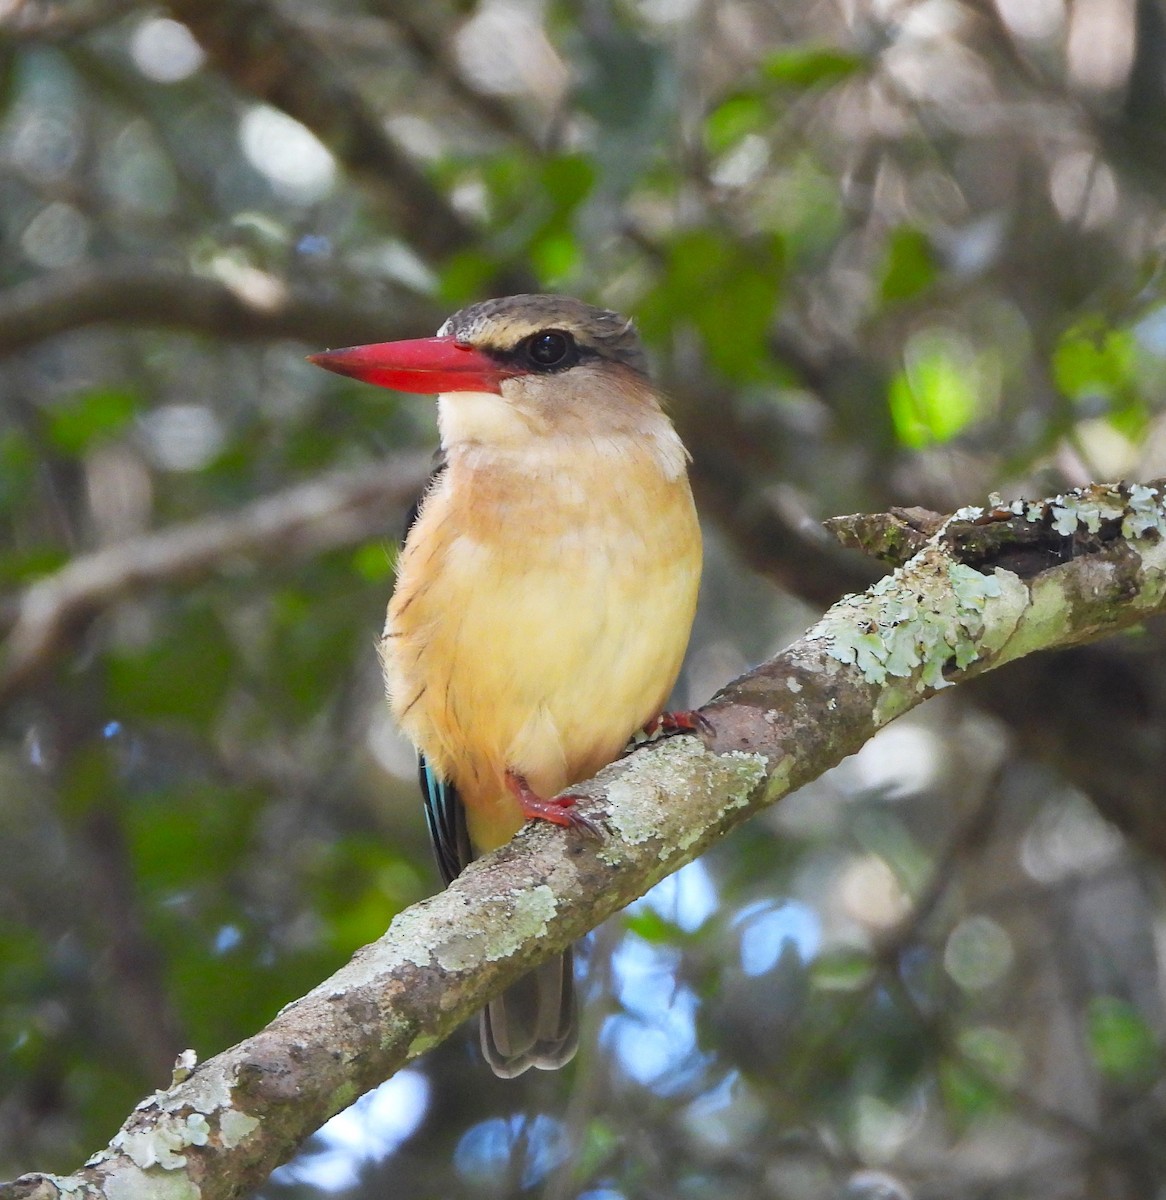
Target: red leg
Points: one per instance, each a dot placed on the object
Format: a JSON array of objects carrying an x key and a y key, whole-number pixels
[
  {"x": 558, "y": 811},
  {"x": 687, "y": 720}
]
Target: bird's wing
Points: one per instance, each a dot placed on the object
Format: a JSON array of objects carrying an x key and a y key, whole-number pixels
[
  {"x": 444, "y": 812},
  {"x": 446, "y": 817}
]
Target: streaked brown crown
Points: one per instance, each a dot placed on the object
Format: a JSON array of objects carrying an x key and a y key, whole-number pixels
[{"x": 502, "y": 326}]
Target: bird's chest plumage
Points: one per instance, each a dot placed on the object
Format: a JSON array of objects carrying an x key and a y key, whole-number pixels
[{"x": 541, "y": 612}]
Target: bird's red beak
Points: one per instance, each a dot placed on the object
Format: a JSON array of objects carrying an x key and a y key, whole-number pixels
[{"x": 426, "y": 365}]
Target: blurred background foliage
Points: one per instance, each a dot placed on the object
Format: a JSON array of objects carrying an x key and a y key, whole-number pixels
[{"x": 883, "y": 251}]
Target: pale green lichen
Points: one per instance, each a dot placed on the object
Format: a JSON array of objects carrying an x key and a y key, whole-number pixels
[
  {"x": 906, "y": 626},
  {"x": 71, "y": 1185},
  {"x": 411, "y": 934},
  {"x": 970, "y": 512},
  {"x": 1007, "y": 610},
  {"x": 1069, "y": 513},
  {"x": 1154, "y": 575},
  {"x": 410, "y": 939},
  {"x": 531, "y": 911},
  {"x": 206, "y": 1092},
  {"x": 682, "y": 767},
  {"x": 234, "y": 1126},
  {"x": 1140, "y": 513},
  {"x": 778, "y": 783},
  {"x": 149, "y": 1185},
  {"x": 1144, "y": 513},
  {"x": 633, "y": 821},
  {"x": 630, "y": 821},
  {"x": 162, "y": 1144},
  {"x": 344, "y": 1096},
  {"x": 736, "y": 776},
  {"x": 460, "y": 951}
]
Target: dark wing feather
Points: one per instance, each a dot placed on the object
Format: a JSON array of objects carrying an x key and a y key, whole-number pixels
[
  {"x": 446, "y": 817},
  {"x": 444, "y": 812}
]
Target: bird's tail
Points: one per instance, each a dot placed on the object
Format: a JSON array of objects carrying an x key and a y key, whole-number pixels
[{"x": 534, "y": 1022}]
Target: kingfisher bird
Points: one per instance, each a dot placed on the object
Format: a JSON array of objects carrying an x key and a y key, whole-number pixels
[{"x": 545, "y": 591}]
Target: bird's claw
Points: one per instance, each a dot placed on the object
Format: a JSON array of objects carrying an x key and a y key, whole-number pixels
[
  {"x": 687, "y": 720},
  {"x": 559, "y": 810}
]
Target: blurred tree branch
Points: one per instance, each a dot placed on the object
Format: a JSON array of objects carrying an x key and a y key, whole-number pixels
[
  {"x": 130, "y": 292},
  {"x": 270, "y": 57},
  {"x": 732, "y": 466},
  {"x": 47, "y": 21},
  {"x": 948, "y": 614},
  {"x": 424, "y": 30},
  {"x": 331, "y": 511}
]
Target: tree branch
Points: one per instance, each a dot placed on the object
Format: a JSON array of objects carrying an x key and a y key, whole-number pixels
[
  {"x": 157, "y": 295},
  {"x": 935, "y": 621},
  {"x": 425, "y": 29},
  {"x": 730, "y": 467},
  {"x": 334, "y": 510},
  {"x": 269, "y": 56}
]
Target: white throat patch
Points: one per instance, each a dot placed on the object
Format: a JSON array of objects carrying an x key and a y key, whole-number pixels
[{"x": 482, "y": 417}]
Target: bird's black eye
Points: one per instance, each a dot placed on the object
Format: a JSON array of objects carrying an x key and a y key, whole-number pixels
[{"x": 550, "y": 348}]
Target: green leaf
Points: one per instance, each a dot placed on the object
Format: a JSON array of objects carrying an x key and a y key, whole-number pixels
[
  {"x": 600, "y": 1144},
  {"x": 967, "y": 1093},
  {"x": 935, "y": 396},
  {"x": 909, "y": 267},
  {"x": 89, "y": 780},
  {"x": 567, "y": 180},
  {"x": 728, "y": 290},
  {"x": 90, "y": 417},
  {"x": 652, "y": 927},
  {"x": 23, "y": 566},
  {"x": 465, "y": 276},
  {"x": 555, "y": 256},
  {"x": 1122, "y": 1044},
  {"x": 374, "y": 561},
  {"x": 733, "y": 119},
  {"x": 843, "y": 970},
  {"x": 358, "y": 886},
  {"x": 1091, "y": 359},
  {"x": 314, "y": 641},
  {"x": 811, "y": 66},
  {"x": 622, "y": 80}
]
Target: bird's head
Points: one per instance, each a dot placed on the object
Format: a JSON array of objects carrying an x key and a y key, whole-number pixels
[{"x": 508, "y": 369}]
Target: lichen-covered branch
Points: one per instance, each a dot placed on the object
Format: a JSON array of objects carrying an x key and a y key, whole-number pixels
[{"x": 1089, "y": 564}]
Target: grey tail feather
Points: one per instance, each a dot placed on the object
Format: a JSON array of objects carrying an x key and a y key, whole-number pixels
[{"x": 534, "y": 1022}]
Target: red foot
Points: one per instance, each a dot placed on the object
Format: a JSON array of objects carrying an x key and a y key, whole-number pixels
[
  {"x": 559, "y": 811},
  {"x": 687, "y": 720}
]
